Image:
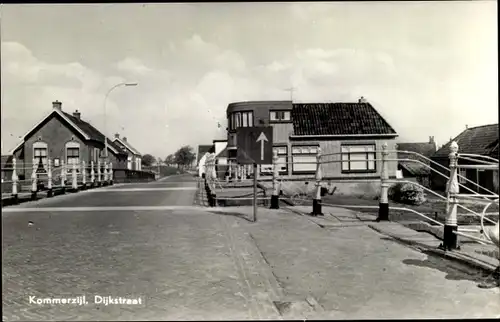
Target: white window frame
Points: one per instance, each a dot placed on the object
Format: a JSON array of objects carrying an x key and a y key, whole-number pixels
[
  {"x": 40, "y": 146},
  {"x": 129, "y": 162},
  {"x": 358, "y": 154},
  {"x": 280, "y": 116},
  {"x": 241, "y": 119},
  {"x": 72, "y": 145},
  {"x": 304, "y": 153}
]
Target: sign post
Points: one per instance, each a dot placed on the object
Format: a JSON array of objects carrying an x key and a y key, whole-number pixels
[{"x": 255, "y": 146}]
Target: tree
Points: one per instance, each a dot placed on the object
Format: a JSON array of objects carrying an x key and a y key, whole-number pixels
[
  {"x": 185, "y": 156},
  {"x": 148, "y": 160},
  {"x": 170, "y": 159}
]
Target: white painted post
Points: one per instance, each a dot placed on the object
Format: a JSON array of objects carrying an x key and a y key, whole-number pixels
[
  {"x": 84, "y": 175},
  {"x": 34, "y": 185},
  {"x": 450, "y": 239},
  {"x": 75, "y": 179},
  {"x": 99, "y": 172},
  {"x": 15, "y": 178},
  {"x": 63, "y": 174},
  {"x": 92, "y": 173},
  {"x": 275, "y": 204},
  {"x": 383, "y": 206},
  {"x": 106, "y": 172},
  {"x": 110, "y": 173},
  {"x": 230, "y": 168},
  {"x": 317, "y": 199},
  {"x": 49, "y": 178}
]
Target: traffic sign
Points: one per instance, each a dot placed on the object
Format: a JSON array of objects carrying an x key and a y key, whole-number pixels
[{"x": 255, "y": 145}]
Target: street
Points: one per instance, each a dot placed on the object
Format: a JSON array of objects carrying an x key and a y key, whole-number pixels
[{"x": 181, "y": 262}]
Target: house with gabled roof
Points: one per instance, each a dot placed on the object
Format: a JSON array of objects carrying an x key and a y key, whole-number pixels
[
  {"x": 416, "y": 171},
  {"x": 66, "y": 137},
  {"x": 480, "y": 140},
  {"x": 351, "y": 134},
  {"x": 134, "y": 157}
]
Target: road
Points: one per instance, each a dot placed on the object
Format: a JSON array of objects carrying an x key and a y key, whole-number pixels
[{"x": 147, "y": 242}]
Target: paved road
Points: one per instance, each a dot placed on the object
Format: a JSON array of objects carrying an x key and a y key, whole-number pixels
[
  {"x": 147, "y": 241},
  {"x": 181, "y": 263}
]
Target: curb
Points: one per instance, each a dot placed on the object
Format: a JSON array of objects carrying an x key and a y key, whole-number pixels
[{"x": 451, "y": 255}]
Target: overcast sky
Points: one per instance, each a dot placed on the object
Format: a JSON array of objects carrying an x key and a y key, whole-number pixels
[{"x": 428, "y": 68}]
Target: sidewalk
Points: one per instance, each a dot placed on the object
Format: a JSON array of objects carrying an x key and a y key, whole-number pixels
[{"x": 347, "y": 269}]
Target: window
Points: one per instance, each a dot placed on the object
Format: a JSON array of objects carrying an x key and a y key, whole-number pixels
[
  {"x": 241, "y": 119},
  {"x": 304, "y": 159},
  {"x": 282, "y": 161},
  {"x": 72, "y": 154},
  {"x": 279, "y": 116},
  {"x": 462, "y": 173},
  {"x": 96, "y": 155},
  {"x": 358, "y": 158},
  {"x": 40, "y": 152}
]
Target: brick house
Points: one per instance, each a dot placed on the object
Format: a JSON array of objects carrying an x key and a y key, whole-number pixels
[
  {"x": 481, "y": 140},
  {"x": 134, "y": 158},
  {"x": 414, "y": 171},
  {"x": 355, "y": 131},
  {"x": 62, "y": 136}
]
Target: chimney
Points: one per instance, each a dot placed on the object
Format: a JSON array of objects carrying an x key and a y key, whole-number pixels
[
  {"x": 466, "y": 126},
  {"x": 117, "y": 135},
  {"x": 431, "y": 139},
  {"x": 124, "y": 139},
  {"x": 57, "y": 105},
  {"x": 362, "y": 100},
  {"x": 76, "y": 114}
]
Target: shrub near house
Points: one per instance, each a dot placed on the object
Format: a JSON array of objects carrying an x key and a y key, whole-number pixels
[{"x": 407, "y": 193}]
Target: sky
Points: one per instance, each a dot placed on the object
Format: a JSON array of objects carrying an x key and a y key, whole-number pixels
[{"x": 429, "y": 68}]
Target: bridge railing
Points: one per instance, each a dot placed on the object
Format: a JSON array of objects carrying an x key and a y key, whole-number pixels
[{"x": 452, "y": 198}]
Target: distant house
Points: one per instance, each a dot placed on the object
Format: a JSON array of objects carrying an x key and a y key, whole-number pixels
[
  {"x": 415, "y": 171},
  {"x": 63, "y": 137},
  {"x": 352, "y": 133},
  {"x": 481, "y": 140},
  {"x": 220, "y": 150},
  {"x": 134, "y": 158}
]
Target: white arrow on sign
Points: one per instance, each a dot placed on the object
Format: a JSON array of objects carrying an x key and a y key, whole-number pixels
[{"x": 262, "y": 137}]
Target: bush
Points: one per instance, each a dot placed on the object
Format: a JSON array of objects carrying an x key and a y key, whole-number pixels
[{"x": 407, "y": 193}]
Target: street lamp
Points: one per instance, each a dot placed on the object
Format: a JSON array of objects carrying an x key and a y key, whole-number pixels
[{"x": 105, "y": 100}]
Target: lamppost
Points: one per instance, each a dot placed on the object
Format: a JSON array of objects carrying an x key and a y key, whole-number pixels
[{"x": 105, "y": 129}]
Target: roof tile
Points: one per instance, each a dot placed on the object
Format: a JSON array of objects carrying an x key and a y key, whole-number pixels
[{"x": 338, "y": 119}]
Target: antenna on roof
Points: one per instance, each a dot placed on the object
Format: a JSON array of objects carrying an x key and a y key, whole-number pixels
[{"x": 291, "y": 90}]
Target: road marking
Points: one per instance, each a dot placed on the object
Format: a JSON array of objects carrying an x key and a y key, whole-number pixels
[
  {"x": 82, "y": 209},
  {"x": 146, "y": 189}
]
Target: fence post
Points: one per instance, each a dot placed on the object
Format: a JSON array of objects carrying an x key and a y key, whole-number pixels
[
  {"x": 110, "y": 173},
  {"x": 99, "y": 172},
  {"x": 383, "y": 206},
  {"x": 275, "y": 202},
  {"x": 34, "y": 184},
  {"x": 105, "y": 165},
  {"x": 49, "y": 178},
  {"x": 15, "y": 179},
  {"x": 63, "y": 175},
  {"x": 213, "y": 176},
  {"x": 75, "y": 179},
  {"x": 84, "y": 175},
  {"x": 317, "y": 199},
  {"x": 450, "y": 239},
  {"x": 92, "y": 174},
  {"x": 230, "y": 170}
]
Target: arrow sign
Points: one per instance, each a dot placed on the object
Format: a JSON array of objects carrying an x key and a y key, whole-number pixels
[
  {"x": 255, "y": 145},
  {"x": 262, "y": 137}
]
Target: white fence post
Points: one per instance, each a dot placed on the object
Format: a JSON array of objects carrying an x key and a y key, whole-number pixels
[
  {"x": 111, "y": 173},
  {"x": 383, "y": 205},
  {"x": 317, "y": 198},
  {"x": 34, "y": 184},
  {"x": 92, "y": 173},
  {"x": 99, "y": 172},
  {"x": 75, "y": 179},
  {"x": 15, "y": 178},
  {"x": 49, "y": 178},
  {"x": 450, "y": 239},
  {"x": 63, "y": 174},
  {"x": 275, "y": 201},
  {"x": 84, "y": 175}
]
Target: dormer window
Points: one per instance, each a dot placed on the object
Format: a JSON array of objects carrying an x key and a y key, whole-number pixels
[{"x": 279, "y": 116}]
